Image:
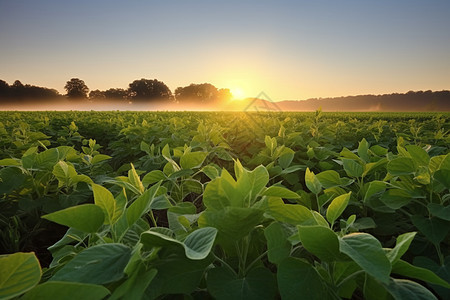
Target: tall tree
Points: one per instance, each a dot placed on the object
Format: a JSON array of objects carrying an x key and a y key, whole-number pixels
[
  {"x": 116, "y": 94},
  {"x": 204, "y": 92},
  {"x": 76, "y": 88},
  {"x": 148, "y": 89}
]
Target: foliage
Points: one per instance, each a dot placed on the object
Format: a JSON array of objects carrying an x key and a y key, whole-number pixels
[{"x": 307, "y": 206}]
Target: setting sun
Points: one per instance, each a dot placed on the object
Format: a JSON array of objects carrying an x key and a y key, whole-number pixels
[{"x": 237, "y": 93}]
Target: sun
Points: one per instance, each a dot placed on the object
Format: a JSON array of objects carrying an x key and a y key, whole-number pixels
[{"x": 237, "y": 93}]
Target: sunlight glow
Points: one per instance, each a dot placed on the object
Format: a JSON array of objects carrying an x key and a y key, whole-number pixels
[{"x": 237, "y": 93}]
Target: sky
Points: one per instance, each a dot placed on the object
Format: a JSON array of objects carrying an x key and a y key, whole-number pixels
[{"x": 290, "y": 50}]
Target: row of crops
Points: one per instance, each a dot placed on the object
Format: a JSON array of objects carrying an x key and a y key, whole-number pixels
[{"x": 200, "y": 205}]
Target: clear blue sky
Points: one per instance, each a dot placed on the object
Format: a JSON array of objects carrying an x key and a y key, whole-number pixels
[{"x": 288, "y": 49}]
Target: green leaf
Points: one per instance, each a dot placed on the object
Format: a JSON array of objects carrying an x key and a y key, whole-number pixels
[
  {"x": 337, "y": 207},
  {"x": 232, "y": 223},
  {"x": 66, "y": 290},
  {"x": 11, "y": 178},
  {"x": 320, "y": 241},
  {"x": 277, "y": 244},
  {"x": 286, "y": 158},
  {"x": 47, "y": 159},
  {"x": 402, "y": 245},
  {"x": 439, "y": 211},
  {"x": 352, "y": 167},
  {"x": 396, "y": 198},
  {"x": 312, "y": 182},
  {"x": 85, "y": 217},
  {"x": 378, "y": 150},
  {"x": 9, "y": 162},
  {"x": 433, "y": 228},
  {"x": 298, "y": 279},
  {"x": 210, "y": 171},
  {"x": 257, "y": 284},
  {"x": 443, "y": 176},
  {"x": 135, "y": 180},
  {"x": 19, "y": 273},
  {"x": 176, "y": 273},
  {"x": 419, "y": 155},
  {"x": 363, "y": 150},
  {"x": 142, "y": 204},
  {"x": 282, "y": 192},
  {"x": 402, "y": 289},
  {"x": 375, "y": 187},
  {"x": 197, "y": 244},
  {"x": 64, "y": 172},
  {"x": 153, "y": 177},
  {"x": 401, "y": 166},
  {"x": 293, "y": 214},
  {"x": 367, "y": 252},
  {"x": 191, "y": 160},
  {"x": 406, "y": 269},
  {"x": 331, "y": 178},
  {"x": 105, "y": 200},
  {"x": 100, "y": 264},
  {"x": 134, "y": 286},
  {"x": 99, "y": 158}
]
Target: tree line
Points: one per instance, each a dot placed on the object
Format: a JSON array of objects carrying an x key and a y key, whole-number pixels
[{"x": 138, "y": 91}]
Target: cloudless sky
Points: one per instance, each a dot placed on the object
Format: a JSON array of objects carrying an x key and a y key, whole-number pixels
[{"x": 288, "y": 49}]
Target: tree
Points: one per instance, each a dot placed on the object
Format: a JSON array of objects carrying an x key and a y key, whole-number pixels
[
  {"x": 115, "y": 94},
  {"x": 76, "y": 88},
  {"x": 147, "y": 89},
  {"x": 204, "y": 92},
  {"x": 97, "y": 95}
]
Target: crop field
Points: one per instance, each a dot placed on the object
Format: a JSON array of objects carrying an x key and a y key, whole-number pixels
[{"x": 217, "y": 205}]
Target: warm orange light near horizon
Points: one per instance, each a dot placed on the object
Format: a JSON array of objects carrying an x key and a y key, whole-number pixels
[{"x": 237, "y": 93}]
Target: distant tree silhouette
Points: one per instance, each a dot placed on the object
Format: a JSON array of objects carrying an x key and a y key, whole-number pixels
[
  {"x": 4, "y": 90},
  {"x": 116, "y": 94},
  {"x": 76, "y": 89},
  {"x": 20, "y": 92},
  {"x": 204, "y": 92},
  {"x": 97, "y": 95},
  {"x": 147, "y": 89}
]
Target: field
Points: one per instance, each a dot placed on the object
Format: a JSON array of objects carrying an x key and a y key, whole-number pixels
[{"x": 213, "y": 205}]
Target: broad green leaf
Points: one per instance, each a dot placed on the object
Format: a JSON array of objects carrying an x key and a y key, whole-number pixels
[
  {"x": 142, "y": 204},
  {"x": 371, "y": 167},
  {"x": 443, "y": 176},
  {"x": 352, "y": 168},
  {"x": 257, "y": 284},
  {"x": 197, "y": 244},
  {"x": 134, "y": 286},
  {"x": 433, "y": 228},
  {"x": 286, "y": 158},
  {"x": 402, "y": 245},
  {"x": 439, "y": 211},
  {"x": 232, "y": 223},
  {"x": 100, "y": 264},
  {"x": 320, "y": 241},
  {"x": 176, "y": 273},
  {"x": 404, "y": 268},
  {"x": 135, "y": 180},
  {"x": 66, "y": 290},
  {"x": 298, "y": 279},
  {"x": 312, "y": 182},
  {"x": 278, "y": 246},
  {"x": 191, "y": 160},
  {"x": 401, "y": 166},
  {"x": 64, "y": 172},
  {"x": 85, "y": 217},
  {"x": 11, "y": 178},
  {"x": 19, "y": 273},
  {"x": 363, "y": 150},
  {"x": 210, "y": 171},
  {"x": 443, "y": 271},
  {"x": 153, "y": 177},
  {"x": 402, "y": 289},
  {"x": 378, "y": 150},
  {"x": 420, "y": 156},
  {"x": 349, "y": 154},
  {"x": 9, "y": 162},
  {"x": 99, "y": 158},
  {"x": 330, "y": 178},
  {"x": 367, "y": 252},
  {"x": 293, "y": 214},
  {"x": 375, "y": 187},
  {"x": 105, "y": 200},
  {"x": 374, "y": 290},
  {"x": 282, "y": 192},
  {"x": 337, "y": 207},
  {"x": 47, "y": 159},
  {"x": 396, "y": 198}
]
